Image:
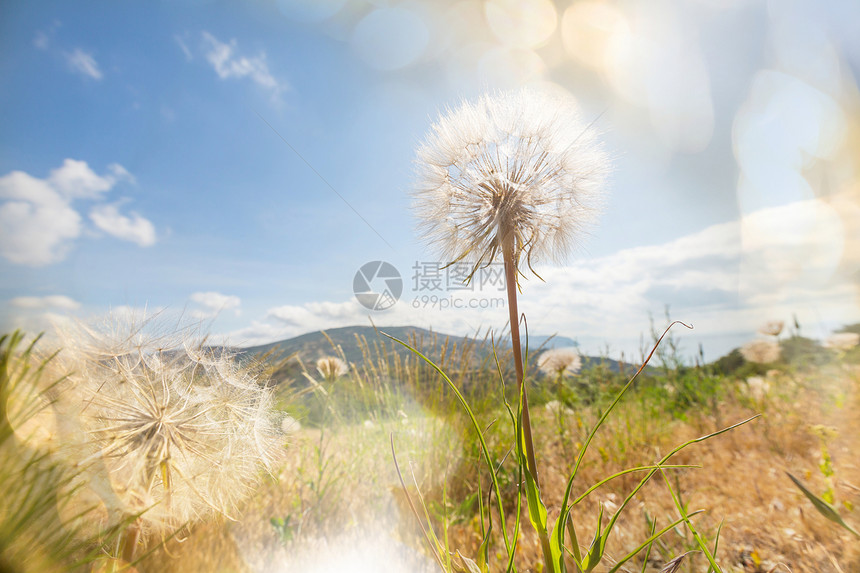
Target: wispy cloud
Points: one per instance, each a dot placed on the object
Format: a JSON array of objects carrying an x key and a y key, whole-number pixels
[
  {"x": 83, "y": 63},
  {"x": 41, "y": 40},
  {"x": 213, "y": 303},
  {"x": 228, "y": 64},
  {"x": 38, "y": 221},
  {"x": 180, "y": 41},
  {"x": 726, "y": 279},
  {"x": 58, "y": 301},
  {"x": 35, "y": 314},
  {"x": 135, "y": 228},
  {"x": 44, "y": 38}
]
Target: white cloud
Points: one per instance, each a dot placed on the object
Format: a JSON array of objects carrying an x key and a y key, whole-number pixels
[
  {"x": 83, "y": 63},
  {"x": 44, "y": 302},
  {"x": 228, "y": 65},
  {"x": 726, "y": 280},
  {"x": 214, "y": 303},
  {"x": 76, "y": 180},
  {"x": 136, "y": 229},
  {"x": 38, "y": 221},
  {"x": 39, "y": 314}
]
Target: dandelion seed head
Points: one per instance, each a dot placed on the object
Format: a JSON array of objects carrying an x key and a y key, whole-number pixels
[
  {"x": 518, "y": 165},
  {"x": 761, "y": 351},
  {"x": 560, "y": 362},
  {"x": 331, "y": 367},
  {"x": 177, "y": 430},
  {"x": 757, "y": 387},
  {"x": 772, "y": 327}
]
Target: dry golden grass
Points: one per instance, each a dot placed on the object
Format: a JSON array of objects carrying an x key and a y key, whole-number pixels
[{"x": 363, "y": 519}]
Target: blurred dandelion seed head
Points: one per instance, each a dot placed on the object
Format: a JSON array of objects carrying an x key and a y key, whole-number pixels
[
  {"x": 331, "y": 367},
  {"x": 517, "y": 165},
  {"x": 175, "y": 429},
  {"x": 761, "y": 351},
  {"x": 560, "y": 362},
  {"x": 758, "y": 387},
  {"x": 772, "y": 327}
]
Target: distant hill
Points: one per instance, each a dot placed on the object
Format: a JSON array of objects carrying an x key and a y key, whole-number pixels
[
  {"x": 553, "y": 341},
  {"x": 313, "y": 345}
]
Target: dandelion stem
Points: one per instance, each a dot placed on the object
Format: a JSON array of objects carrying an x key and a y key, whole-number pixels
[{"x": 511, "y": 286}]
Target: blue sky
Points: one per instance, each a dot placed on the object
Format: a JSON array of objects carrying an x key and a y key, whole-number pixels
[{"x": 142, "y": 162}]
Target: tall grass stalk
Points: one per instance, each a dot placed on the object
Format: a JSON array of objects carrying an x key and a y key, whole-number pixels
[{"x": 557, "y": 548}]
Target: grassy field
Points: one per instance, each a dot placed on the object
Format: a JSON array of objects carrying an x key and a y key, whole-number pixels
[{"x": 334, "y": 501}]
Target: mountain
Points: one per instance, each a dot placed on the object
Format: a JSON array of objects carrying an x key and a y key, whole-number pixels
[
  {"x": 552, "y": 341},
  {"x": 353, "y": 340},
  {"x": 313, "y": 345}
]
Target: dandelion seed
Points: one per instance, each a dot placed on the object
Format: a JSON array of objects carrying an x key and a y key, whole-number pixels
[
  {"x": 560, "y": 362},
  {"x": 516, "y": 167},
  {"x": 761, "y": 351},
  {"x": 331, "y": 367}
]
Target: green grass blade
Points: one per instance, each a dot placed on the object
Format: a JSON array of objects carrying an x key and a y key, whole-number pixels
[
  {"x": 716, "y": 544},
  {"x": 628, "y": 471},
  {"x": 648, "y": 542},
  {"x": 476, "y": 427},
  {"x": 434, "y": 544},
  {"x": 558, "y": 528},
  {"x": 822, "y": 506},
  {"x": 686, "y": 518}
]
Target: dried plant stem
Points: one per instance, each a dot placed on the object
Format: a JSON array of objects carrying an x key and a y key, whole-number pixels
[
  {"x": 511, "y": 286},
  {"x": 129, "y": 542}
]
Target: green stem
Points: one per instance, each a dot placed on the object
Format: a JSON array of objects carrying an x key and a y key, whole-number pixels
[{"x": 511, "y": 286}]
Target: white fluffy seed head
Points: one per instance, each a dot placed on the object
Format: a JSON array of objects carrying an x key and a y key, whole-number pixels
[
  {"x": 331, "y": 367},
  {"x": 560, "y": 362},
  {"x": 519, "y": 165},
  {"x": 761, "y": 351},
  {"x": 165, "y": 426},
  {"x": 772, "y": 327}
]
